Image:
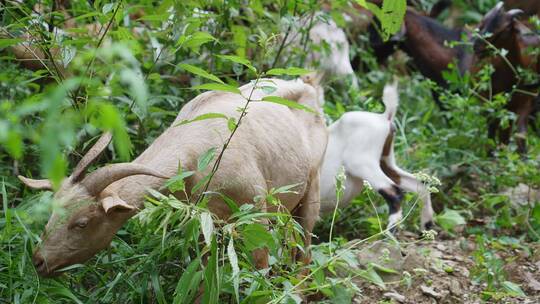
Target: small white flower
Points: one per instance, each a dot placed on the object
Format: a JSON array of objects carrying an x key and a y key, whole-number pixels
[
  {"x": 367, "y": 185},
  {"x": 432, "y": 182},
  {"x": 429, "y": 235}
]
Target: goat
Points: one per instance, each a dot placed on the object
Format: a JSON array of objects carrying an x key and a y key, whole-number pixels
[
  {"x": 423, "y": 39},
  {"x": 529, "y": 8},
  {"x": 331, "y": 59},
  {"x": 362, "y": 142},
  {"x": 507, "y": 32},
  {"x": 337, "y": 62},
  {"x": 30, "y": 54},
  {"x": 273, "y": 146}
]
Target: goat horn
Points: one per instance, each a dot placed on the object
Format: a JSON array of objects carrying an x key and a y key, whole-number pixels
[
  {"x": 515, "y": 12},
  {"x": 499, "y": 5},
  {"x": 98, "y": 180},
  {"x": 41, "y": 184},
  {"x": 91, "y": 156}
]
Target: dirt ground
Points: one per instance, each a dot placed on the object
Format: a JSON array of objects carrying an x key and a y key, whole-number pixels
[{"x": 441, "y": 271}]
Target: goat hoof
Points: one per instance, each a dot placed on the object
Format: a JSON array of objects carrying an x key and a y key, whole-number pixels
[{"x": 429, "y": 225}]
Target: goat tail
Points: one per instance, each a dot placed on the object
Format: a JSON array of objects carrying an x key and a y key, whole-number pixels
[{"x": 391, "y": 99}]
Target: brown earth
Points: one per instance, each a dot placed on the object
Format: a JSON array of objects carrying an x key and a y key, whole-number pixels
[{"x": 443, "y": 271}]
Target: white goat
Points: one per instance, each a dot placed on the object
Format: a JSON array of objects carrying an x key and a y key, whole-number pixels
[
  {"x": 362, "y": 142},
  {"x": 334, "y": 62},
  {"x": 337, "y": 62}
]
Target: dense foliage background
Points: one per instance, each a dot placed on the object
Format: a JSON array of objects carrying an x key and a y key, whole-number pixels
[{"x": 127, "y": 67}]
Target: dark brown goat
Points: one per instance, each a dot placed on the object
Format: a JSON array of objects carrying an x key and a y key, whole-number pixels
[
  {"x": 423, "y": 39},
  {"x": 508, "y": 33},
  {"x": 529, "y": 7}
]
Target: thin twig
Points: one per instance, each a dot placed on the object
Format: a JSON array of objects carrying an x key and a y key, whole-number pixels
[
  {"x": 75, "y": 95},
  {"x": 41, "y": 45},
  {"x": 33, "y": 54},
  {"x": 282, "y": 45},
  {"x": 306, "y": 38},
  {"x": 226, "y": 144}
]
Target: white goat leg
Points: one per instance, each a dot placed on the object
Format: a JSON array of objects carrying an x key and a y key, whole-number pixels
[{"x": 409, "y": 183}]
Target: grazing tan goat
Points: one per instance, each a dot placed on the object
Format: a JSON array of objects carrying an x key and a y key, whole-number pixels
[{"x": 273, "y": 146}]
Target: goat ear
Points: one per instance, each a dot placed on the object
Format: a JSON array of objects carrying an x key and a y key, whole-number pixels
[
  {"x": 41, "y": 184},
  {"x": 91, "y": 156},
  {"x": 314, "y": 78},
  {"x": 112, "y": 203}
]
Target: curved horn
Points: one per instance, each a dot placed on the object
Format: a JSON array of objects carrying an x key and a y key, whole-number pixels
[
  {"x": 42, "y": 184},
  {"x": 98, "y": 180},
  {"x": 91, "y": 156},
  {"x": 514, "y": 13}
]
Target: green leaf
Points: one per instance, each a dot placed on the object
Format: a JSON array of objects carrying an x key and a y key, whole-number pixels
[
  {"x": 211, "y": 276},
  {"x": 7, "y": 212},
  {"x": 372, "y": 276},
  {"x": 201, "y": 183},
  {"x": 391, "y": 15},
  {"x": 188, "y": 283},
  {"x": 207, "y": 225},
  {"x": 513, "y": 289},
  {"x": 288, "y": 103},
  {"x": 257, "y": 236},
  {"x": 176, "y": 183},
  {"x": 341, "y": 294},
  {"x": 449, "y": 219},
  {"x": 14, "y": 144},
  {"x": 57, "y": 170},
  {"x": 362, "y": 3},
  {"x": 61, "y": 291},
  {"x": 110, "y": 119},
  {"x": 230, "y": 203},
  {"x": 240, "y": 60},
  {"x": 268, "y": 89},
  {"x": 136, "y": 88},
  {"x": 233, "y": 259},
  {"x": 292, "y": 71},
  {"x": 200, "y": 72},
  {"x": 218, "y": 87},
  {"x": 204, "y": 160},
  {"x": 382, "y": 268},
  {"x": 157, "y": 287},
  {"x": 10, "y": 41},
  {"x": 231, "y": 124},
  {"x": 158, "y": 17},
  {"x": 240, "y": 38},
  {"x": 195, "y": 40},
  {"x": 286, "y": 189},
  {"x": 202, "y": 117}
]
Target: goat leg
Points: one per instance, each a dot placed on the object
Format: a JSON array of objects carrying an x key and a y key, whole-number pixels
[
  {"x": 493, "y": 127},
  {"x": 307, "y": 213},
  {"x": 521, "y": 136}
]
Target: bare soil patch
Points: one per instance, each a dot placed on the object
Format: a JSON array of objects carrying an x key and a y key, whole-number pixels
[{"x": 442, "y": 271}]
